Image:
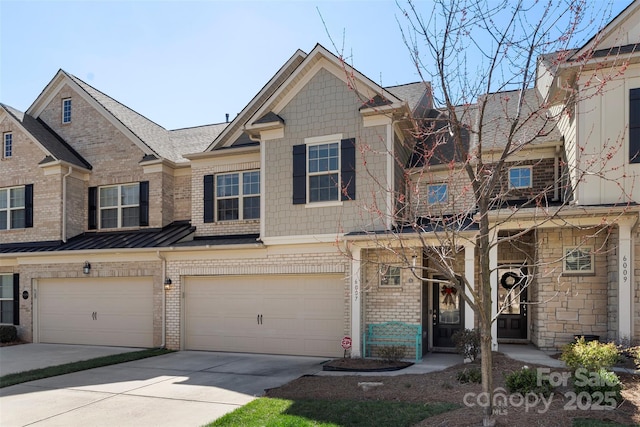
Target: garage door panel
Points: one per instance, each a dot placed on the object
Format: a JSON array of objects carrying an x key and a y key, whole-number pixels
[
  {"x": 300, "y": 314},
  {"x": 96, "y": 311}
]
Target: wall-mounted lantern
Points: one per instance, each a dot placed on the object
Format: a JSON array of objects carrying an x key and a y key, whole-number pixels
[{"x": 86, "y": 269}]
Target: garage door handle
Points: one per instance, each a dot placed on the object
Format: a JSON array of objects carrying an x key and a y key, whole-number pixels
[
  {"x": 94, "y": 315},
  {"x": 259, "y": 319}
]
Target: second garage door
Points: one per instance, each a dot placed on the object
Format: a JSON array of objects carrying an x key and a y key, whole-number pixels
[
  {"x": 302, "y": 315},
  {"x": 114, "y": 311}
]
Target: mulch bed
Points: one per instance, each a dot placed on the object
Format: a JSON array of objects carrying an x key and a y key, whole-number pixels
[
  {"x": 364, "y": 365},
  {"x": 443, "y": 386}
]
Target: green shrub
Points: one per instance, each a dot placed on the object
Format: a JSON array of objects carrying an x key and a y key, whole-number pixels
[
  {"x": 471, "y": 375},
  {"x": 392, "y": 353},
  {"x": 592, "y": 355},
  {"x": 8, "y": 333},
  {"x": 526, "y": 381},
  {"x": 467, "y": 342},
  {"x": 601, "y": 385}
]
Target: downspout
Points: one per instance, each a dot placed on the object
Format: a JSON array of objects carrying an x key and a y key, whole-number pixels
[
  {"x": 64, "y": 205},
  {"x": 556, "y": 174},
  {"x": 164, "y": 300}
]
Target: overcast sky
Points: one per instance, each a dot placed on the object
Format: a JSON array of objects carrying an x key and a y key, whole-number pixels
[{"x": 187, "y": 63}]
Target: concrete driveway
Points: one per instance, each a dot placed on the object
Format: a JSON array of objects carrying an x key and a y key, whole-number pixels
[{"x": 186, "y": 388}]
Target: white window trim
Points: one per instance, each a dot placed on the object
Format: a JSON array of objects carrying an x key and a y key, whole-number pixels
[
  {"x": 384, "y": 269},
  {"x": 4, "y": 144},
  {"x": 445, "y": 200},
  {"x": 119, "y": 206},
  {"x": 240, "y": 196},
  {"x": 320, "y": 140},
  {"x": 568, "y": 249},
  {"x": 9, "y": 209},
  {"x": 520, "y": 167},
  {"x": 64, "y": 100}
]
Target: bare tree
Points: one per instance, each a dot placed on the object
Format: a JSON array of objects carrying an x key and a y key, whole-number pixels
[{"x": 486, "y": 64}]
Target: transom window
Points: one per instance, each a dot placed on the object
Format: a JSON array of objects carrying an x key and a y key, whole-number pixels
[
  {"x": 66, "y": 110},
  {"x": 6, "y": 299},
  {"x": 324, "y": 172},
  {"x": 12, "y": 208},
  {"x": 120, "y": 206},
  {"x": 578, "y": 260},
  {"x": 520, "y": 177},
  {"x": 390, "y": 275},
  {"x": 238, "y": 196},
  {"x": 437, "y": 193},
  {"x": 7, "y": 149}
]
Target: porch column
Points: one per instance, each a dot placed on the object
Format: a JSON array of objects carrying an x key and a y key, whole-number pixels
[
  {"x": 493, "y": 278},
  {"x": 625, "y": 282},
  {"x": 356, "y": 304},
  {"x": 469, "y": 274}
]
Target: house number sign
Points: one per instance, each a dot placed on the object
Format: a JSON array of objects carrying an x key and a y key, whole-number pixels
[{"x": 625, "y": 270}]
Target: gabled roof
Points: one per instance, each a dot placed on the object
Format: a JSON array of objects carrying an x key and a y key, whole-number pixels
[
  {"x": 234, "y": 133},
  {"x": 317, "y": 59},
  {"x": 53, "y": 146},
  {"x": 614, "y": 34},
  {"x": 152, "y": 139}
]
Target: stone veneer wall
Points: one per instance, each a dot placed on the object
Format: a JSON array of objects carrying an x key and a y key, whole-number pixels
[
  {"x": 569, "y": 304},
  {"x": 259, "y": 262}
]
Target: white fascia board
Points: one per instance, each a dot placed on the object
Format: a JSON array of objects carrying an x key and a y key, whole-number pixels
[
  {"x": 195, "y": 157},
  {"x": 61, "y": 168},
  {"x": 302, "y": 239}
]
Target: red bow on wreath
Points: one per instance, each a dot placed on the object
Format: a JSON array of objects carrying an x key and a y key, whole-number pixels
[{"x": 449, "y": 292}]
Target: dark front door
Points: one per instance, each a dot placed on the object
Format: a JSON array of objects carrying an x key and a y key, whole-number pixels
[
  {"x": 512, "y": 296},
  {"x": 447, "y": 313}
]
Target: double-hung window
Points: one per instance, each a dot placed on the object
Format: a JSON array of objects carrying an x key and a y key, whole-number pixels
[
  {"x": 520, "y": 177},
  {"x": 437, "y": 194},
  {"x": 238, "y": 196},
  {"x": 9, "y": 299},
  {"x": 13, "y": 207},
  {"x": 120, "y": 206},
  {"x": 66, "y": 110},
  {"x": 7, "y": 145},
  {"x": 324, "y": 170},
  {"x": 324, "y": 173}
]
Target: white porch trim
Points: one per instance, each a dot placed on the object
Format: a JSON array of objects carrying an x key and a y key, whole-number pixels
[
  {"x": 625, "y": 282},
  {"x": 469, "y": 273},
  {"x": 356, "y": 304}
]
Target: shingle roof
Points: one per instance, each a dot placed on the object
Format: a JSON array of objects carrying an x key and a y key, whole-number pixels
[
  {"x": 52, "y": 142},
  {"x": 154, "y": 136},
  {"x": 500, "y": 112},
  {"x": 148, "y": 238},
  {"x": 410, "y": 92},
  {"x": 195, "y": 139}
]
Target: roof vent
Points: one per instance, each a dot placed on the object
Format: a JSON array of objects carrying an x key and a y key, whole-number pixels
[{"x": 227, "y": 118}]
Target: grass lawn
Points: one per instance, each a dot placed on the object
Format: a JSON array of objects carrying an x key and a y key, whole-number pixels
[
  {"x": 67, "y": 368},
  {"x": 330, "y": 413}
]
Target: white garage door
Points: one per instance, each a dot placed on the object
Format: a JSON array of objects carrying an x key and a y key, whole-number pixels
[
  {"x": 302, "y": 315},
  {"x": 96, "y": 311}
]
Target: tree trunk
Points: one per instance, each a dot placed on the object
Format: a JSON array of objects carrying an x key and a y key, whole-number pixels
[{"x": 487, "y": 377}]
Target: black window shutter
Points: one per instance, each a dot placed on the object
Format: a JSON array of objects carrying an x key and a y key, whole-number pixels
[
  {"x": 93, "y": 208},
  {"x": 28, "y": 205},
  {"x": 144, "y": 203},
  {"x": 348, "y": 168},
  {"x": 209, "y": 198},
  {"x": 299, "y": 174},
  {"x": 634, "y": 126},
  {"x": 16, "y": 299}
]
